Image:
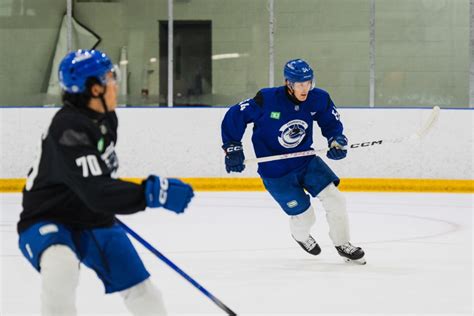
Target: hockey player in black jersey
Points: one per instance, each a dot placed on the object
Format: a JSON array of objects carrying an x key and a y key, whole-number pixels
[{"x": 71, "y": 196}]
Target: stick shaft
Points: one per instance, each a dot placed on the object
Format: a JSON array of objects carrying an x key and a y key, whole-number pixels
[
  {"x": 418, "y": 134},
  {"x": 175, "y": 268}
]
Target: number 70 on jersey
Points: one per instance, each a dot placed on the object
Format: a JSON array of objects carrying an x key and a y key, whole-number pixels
[{"x": 90, "y": 165}]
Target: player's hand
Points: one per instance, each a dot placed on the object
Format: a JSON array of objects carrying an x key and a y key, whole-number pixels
[
  {"x": 170, "y": 193},
  {"x": 234, "y": 157},
  {"x": 337, "y": 147}
]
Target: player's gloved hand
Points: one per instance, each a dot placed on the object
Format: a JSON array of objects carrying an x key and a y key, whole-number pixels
[
  {"x": 234, "y": 157},
  {"x": 337, "y": 147},
  {"x": 170, "y": 193}
]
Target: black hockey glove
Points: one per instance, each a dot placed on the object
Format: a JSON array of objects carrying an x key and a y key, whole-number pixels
[
  {"x": 337, "y": 147},
  {"x": 172, "y": 194},
  {"x": 234, "y": 157}
]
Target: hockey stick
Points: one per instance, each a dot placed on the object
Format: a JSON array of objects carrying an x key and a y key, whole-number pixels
[
  {"x": 417, "y": 135},
  {"x": 176, "y": 268}
]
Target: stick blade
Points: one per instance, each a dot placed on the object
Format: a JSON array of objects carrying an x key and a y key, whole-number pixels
[{"x": 430, "y": 122}]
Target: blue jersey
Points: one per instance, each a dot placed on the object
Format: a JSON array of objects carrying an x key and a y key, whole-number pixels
[{"x": 281, "y": 126}]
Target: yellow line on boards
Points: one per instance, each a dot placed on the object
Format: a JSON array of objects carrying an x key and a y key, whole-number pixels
[{"x": 347, "y": 184}]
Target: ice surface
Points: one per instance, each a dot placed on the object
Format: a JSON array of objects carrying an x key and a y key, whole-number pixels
[{"x": 237, "y": 245}]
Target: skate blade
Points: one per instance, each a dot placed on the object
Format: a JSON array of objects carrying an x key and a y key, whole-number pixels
[{"x": 360, "y": 261}]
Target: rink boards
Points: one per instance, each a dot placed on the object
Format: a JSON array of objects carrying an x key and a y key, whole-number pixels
[{"x": 185, "y": 143}]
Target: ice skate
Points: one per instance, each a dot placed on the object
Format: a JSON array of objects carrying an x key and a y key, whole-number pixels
[
  {"x": 351, "y": 253},
  {"x": 309, "y": 245}
]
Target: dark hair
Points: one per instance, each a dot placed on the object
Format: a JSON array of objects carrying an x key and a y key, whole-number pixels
[{"x": 81, "y": 100}]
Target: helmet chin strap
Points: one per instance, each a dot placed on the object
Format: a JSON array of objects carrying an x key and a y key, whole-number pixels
[
  {"x": 102, "y": 100},
  {"x": 290, "y": 89},
  {"x": 104, "y": 105}
]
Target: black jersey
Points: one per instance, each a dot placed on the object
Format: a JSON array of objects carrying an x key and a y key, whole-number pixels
[{"x": 73, "y": 179}]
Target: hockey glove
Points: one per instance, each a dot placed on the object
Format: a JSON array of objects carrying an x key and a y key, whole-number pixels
[
  {"x": 234, "y": 157},
  {"x": 172, "y": 194},
  {"x": 337, "y": 147}
]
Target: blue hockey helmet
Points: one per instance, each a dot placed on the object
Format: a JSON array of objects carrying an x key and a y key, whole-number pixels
[
  {"x": 297, "y": 70},
  {"x": 76, "y": 67}
]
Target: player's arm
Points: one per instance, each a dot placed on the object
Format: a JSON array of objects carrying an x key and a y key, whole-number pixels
[
  {"x": 238, "y": 116},
  {"x": 331, "y": 126},
  {"x": 79, "y": 165},
  {"x": 233, "y": 128}
]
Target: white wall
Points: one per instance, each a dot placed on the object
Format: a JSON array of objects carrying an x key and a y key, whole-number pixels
[{"x": 185, "y": 142}]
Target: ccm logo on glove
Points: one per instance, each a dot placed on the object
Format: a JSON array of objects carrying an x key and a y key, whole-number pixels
[{"x": 170, "y": 193}]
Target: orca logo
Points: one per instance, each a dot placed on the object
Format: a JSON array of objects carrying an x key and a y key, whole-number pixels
[{"x": 292, "y": 133}]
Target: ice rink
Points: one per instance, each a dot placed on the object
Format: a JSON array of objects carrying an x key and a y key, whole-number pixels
[{"x": 237, "y": 245}]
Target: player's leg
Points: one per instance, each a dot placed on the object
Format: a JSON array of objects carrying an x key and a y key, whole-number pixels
[
  {"x": 334, "y": 204},
  {"x": 144, "y": 299},
  {"x": 59, "y": 280},
  {"x": 290, "y": 195},
  {"x": 336, "y": 213},
  {"x": 50, "y": 249},
  {"x": 300, "y": 227},
  {"x": 321, "y": 181},
  {"x": 112, "y": 256}
]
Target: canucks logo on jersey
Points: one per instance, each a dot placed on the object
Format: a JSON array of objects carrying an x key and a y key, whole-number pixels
[{"x": 292, "y": 133}]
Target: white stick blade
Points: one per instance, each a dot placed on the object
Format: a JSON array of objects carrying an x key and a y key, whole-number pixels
[{"x": 429, "y": 122}]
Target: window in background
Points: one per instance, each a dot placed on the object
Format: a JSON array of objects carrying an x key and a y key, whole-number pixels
[
  {"x": 192, "y": 61},
  {"x": 422, "y": 53}
]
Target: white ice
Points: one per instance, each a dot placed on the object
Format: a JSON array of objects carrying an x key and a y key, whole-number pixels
[{"x": 237, "y": 246}]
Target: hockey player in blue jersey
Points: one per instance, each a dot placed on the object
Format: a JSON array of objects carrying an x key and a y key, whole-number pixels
[{"x": 283, "y": 123}]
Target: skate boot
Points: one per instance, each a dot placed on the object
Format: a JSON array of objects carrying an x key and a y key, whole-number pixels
[
  {"x": 309, "y": 245},
  {"x": 351, "y": 253}
]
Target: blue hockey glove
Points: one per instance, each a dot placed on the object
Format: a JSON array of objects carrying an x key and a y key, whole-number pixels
[
  {"x": 172, "y": 194},
  {"x": 234, "y": 157},
  {"x": 337, "y": 147}
]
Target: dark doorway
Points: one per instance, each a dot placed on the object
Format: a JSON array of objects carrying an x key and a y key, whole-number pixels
[{"x": 192, "y": 72}]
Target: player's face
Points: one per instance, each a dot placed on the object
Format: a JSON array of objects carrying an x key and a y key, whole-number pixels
[
  {"x": 110, "y": 95},
  {"x": 301, "y": 89}
]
